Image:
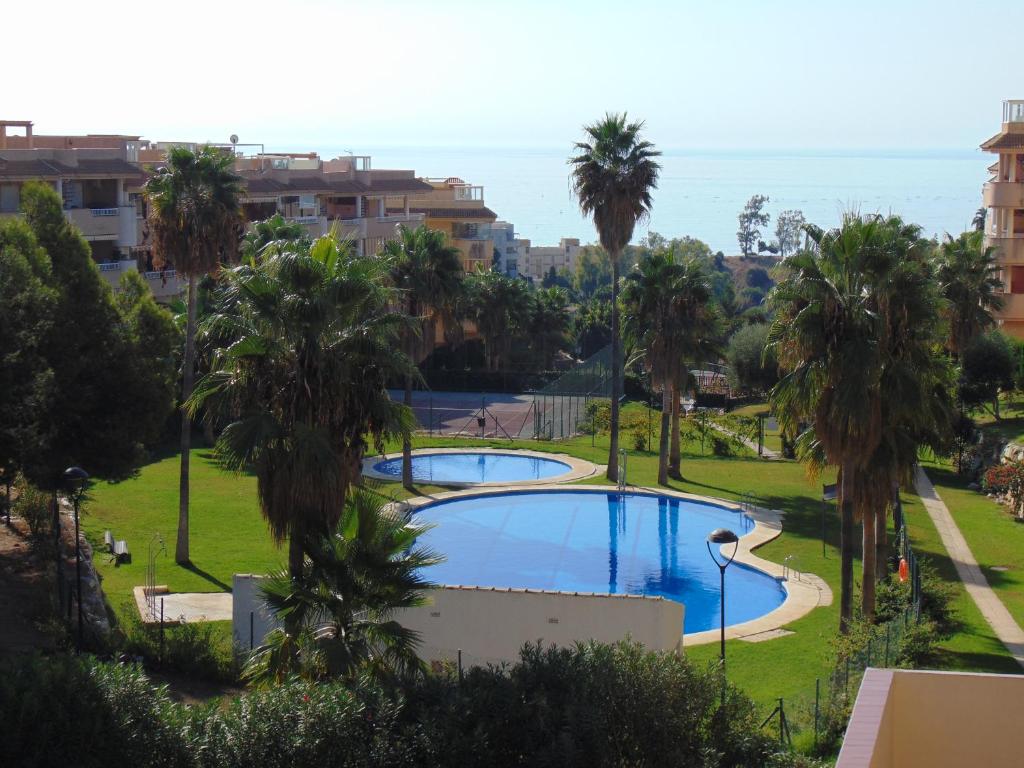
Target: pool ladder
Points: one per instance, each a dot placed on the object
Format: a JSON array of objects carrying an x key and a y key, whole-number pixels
[
  {"x": 788, "y": 570},
  {"x": 622, "y": 469}
]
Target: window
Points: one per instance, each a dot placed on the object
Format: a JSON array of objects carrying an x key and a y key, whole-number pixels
[
  {"x": 1017, "y": 280},
  {"x": 10, "y": 198}
]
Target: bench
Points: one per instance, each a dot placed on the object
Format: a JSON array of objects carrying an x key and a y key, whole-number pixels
[
  {"x": 121, "y": 553},
  {"x": 117, "y": 549}
]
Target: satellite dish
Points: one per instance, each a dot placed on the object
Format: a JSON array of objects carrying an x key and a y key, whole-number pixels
[{"x": 234, "y": 138}]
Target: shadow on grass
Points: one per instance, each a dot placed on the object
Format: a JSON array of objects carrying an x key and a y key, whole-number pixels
[{"x": 207, "y": 576}]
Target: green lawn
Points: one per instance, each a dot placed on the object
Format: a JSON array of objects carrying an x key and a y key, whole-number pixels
[{"x": 229, "y": 536}]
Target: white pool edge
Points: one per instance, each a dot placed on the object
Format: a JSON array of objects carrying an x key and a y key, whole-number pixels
[
  {"x": 804, "y": 591},
  {"x": 579, "y": 469}
]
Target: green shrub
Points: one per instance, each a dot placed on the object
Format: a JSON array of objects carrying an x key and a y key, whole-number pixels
[
  {"x": 33, "y": 505},
  {"x": 64, "y": 710},
  {"x": 720, "y": 446},
  {"x": 198, "y": 649},
  {"x": 918, "y": 645}
]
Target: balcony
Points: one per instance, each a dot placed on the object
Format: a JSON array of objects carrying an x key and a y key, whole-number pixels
[
  {"x": 117, "y": 224},
  {"x": 1003, "y": 194},
  {"x": 166, "y": 285},
  {"x": 315, "y": 226},
  {"x": 1009, "y": 250},
  {"x": 1013, "y": 111},
  {"x": 384, "y": 226}
]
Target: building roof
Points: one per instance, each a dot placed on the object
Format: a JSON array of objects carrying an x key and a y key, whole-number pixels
[
  {"x": 36, "y": 168},
  {"x": 451, "y": 213},
  {"x": 268, "y": 184},
  {"x": 1004, "y": 141},
  {"x": 398, "y": 185}
]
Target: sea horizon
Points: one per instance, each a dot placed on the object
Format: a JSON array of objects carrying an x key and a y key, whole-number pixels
[{"x": 701, "y": 191}]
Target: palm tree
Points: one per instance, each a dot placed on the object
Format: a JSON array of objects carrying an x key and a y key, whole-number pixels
[
  {"x": 339, "y": 612},
  {"x": 914, "y": 388},
  {"x": 500, "y": 307},
  {"x": 662, "y": 298},
  {"x": 969, "y": 278},
  {"x": 307, "y": 339},
  {"x": 196, "y": 221},
  {"x": 428, "y": 272},
  {"x": 276, "y": 229},
  {"x": 978, "y": 222},
  {"x": 826, "y": 333},
  {"x": 613, "y": 175},
  {"x": 549, "y": 324}
]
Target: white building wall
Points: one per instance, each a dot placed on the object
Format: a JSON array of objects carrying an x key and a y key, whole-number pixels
[{"x": 492, "y": 625}]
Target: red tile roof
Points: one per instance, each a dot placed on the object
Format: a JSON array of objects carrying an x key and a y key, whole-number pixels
[
  {"x": 451, "y": 213},
  {"x": 1004, "y": 141}
]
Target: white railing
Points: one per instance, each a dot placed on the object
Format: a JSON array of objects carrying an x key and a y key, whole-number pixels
[
  {"x": 169, "y": 274},
  {"x": 304, "y": 219},
  {"x": 110, "y": 266},
  {"x": 105, "y": 211},
  {"x": 1013, "y": 111}
]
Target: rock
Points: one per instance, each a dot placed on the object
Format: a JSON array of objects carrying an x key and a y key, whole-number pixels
[{"x": 973, "y": 487}]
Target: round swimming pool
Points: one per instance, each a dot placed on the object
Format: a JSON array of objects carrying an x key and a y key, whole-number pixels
[
  {"x": 596, "y": 541},
  {"x": 468, "y": 467}
]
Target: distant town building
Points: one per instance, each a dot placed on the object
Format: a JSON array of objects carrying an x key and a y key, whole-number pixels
[
  {"x": 1003, "y": 198},
  {"x": 536, "y": 261},
  {"x": 508, "y": 248},
  {"x": 457, "y": 209}
]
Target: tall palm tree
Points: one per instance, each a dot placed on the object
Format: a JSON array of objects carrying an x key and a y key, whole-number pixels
[
  {"x": 662, "y": 297},
  {"x": 613, "y": 176},
  {"x": 500, "y": 307},
  {"x": 307, "y": 339},
  {"x": 826, "y": 333},
  {"x": 969, "y": 278},
  {"x": 339, "y": 613},
  {"x": 428, "y": 272},
  {"x": 914, "y": 387},
  {"x": 196, "y": 222}
]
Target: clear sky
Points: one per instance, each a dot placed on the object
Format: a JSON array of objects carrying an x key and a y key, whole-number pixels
[{"x": 746, "y": 74}]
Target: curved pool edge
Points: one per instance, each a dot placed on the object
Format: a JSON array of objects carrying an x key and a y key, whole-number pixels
[
  {"x": 579, "y": 469},
  {"x": 803, "y": 594}
]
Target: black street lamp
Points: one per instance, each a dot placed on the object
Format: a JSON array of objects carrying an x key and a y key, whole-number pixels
[
  {"x": 721, "y": 536},
  {"x": 77, "y": 478}
]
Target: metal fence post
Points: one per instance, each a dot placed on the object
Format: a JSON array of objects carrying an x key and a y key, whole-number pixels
[
  {"x": 251, "y": 638},
  {"x": 460, "y": 666},
  {"x": 161, "y": 632},
  {"x": 888, "y": 626}
]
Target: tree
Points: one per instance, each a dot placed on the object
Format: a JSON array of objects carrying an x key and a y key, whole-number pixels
[
  {"x": 549, "y": 325},
  {"x": 759, "y": 278},
  {"x": 196, "y": 221},
  {"x": 664, "y": 301},
  {"x": 969, "y": 278},
  {"x": 307, "y": 339},
  {"x": 593, "y": 271},
  {"x": 338, "y": 612},
  {"x": 613, "y": 176},
  {"x": 101, "y": 409},
  {"x": 591, "y": 327},
  {"x": 825, "y": 333},
  {"x": 26, "y": 380},
  {"x": 988, "y": 367},
  {"x": 789, "y": 230},
  {"x": 276, "y": 229},
  {"x": 978, "y": 222},
  {"x": 428, "y": 273},
  {"x": 752, "y": 363},
  {"x": 501, "y": 308},
  {"x": 750, "y": 219}
]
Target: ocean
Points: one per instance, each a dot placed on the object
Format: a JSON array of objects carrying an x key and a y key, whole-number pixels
[{"x": 700, "y": 193}]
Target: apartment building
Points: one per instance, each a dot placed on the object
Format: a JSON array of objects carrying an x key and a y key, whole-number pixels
[
  {"x": 99, "y": 179},
  {"x": 457, "y": 209},
  {"x": 537, "y": 261},
  {"x": 1003, "y": 198},
  {"x": 507, "y": 248}
]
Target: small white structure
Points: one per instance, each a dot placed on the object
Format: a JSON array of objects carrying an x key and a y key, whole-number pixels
[{"x": 491, "y": 625}]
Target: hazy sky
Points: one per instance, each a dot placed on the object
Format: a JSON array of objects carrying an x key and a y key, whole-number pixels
[{"x": 722, "y": 75}]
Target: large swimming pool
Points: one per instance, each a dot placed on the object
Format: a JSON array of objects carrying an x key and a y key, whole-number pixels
[
  {"x": 467, "y": 467},
  {"x": 596, "y": 541}
]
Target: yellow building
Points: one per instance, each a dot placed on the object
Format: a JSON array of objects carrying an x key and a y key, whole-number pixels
[
  {"x": 1003, "y": 197},
  {"x": 457, "y": 209}
]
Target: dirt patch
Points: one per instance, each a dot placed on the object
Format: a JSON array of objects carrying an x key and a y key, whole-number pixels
[{"x": 26, "y": 589}]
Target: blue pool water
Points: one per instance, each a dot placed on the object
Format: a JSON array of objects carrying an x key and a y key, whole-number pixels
[
  {"x": 475, "y": 468},
  {"x": 595, "y": 541}
]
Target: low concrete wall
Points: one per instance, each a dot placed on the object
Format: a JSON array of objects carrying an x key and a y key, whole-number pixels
[{"x": 491, "y": 625}]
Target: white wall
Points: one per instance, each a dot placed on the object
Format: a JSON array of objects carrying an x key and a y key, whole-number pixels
[{"x": 491, "y": 625}]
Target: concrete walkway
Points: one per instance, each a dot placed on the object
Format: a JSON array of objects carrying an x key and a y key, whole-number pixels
[{"x": 991, "y": 607}]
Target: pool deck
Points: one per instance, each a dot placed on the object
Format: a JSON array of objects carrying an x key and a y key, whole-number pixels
[
  {"x": 804, "y": 591},
  {"x": 578, "y": 468}
]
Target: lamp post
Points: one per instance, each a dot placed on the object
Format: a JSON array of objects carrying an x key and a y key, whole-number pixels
[
  {"x": 721, "y": 536},
  {"x": 76, "y": 478}
]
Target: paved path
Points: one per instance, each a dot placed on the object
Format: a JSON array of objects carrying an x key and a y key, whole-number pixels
[{"x": 992, "y": 608}]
